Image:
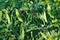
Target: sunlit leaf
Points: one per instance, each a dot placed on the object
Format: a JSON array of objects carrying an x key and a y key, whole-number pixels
[
  {"x": 7, "y": 17},
  {"x": 45, "y": 18},
  {"x": 53, "y": 21},
  {"x": 43, "y": 35},
  {"x": 46, "y": 1},
  {"x": 18, "y": 16},
  {"x": 49, "y": 11},
  {"x": 0, "y": 15},
  {"x": 50, "y": 38}
]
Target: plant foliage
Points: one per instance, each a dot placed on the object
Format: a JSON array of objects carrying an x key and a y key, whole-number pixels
[{"x": 29, "y": 19}]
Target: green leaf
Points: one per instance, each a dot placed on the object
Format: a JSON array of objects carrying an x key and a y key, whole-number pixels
[
  {"x": 18, "y": 16},
  {"x": 43, "y": 35},
  {"x": 50, "y": 38},
  {"x": 45, "y": 18},
  {"x": 0, "y": 15},
  {"x": 49, "y": 11},
  {"x": 7, "y": 16}
]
